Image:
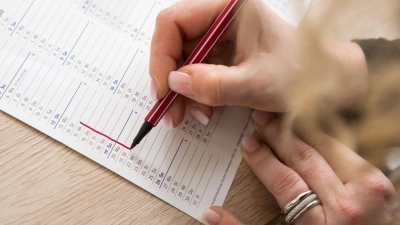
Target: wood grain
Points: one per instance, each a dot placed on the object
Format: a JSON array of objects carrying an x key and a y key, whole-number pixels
[{"x": 44, "y": 182}]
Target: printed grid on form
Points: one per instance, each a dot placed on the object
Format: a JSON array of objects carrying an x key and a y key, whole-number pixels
[{"x": 78, "y": 71}]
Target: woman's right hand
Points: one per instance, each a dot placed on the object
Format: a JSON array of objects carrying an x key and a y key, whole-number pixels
[{"x": 256, "y": 63}]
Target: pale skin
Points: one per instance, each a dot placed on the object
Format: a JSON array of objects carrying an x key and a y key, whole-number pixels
[{"x": 262, "y": 51}]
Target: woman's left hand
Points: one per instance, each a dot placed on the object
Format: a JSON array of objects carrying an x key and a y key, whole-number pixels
[{"x": 350, "y": 189}]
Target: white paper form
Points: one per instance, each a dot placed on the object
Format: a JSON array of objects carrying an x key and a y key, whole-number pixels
[
  {"x": 77, "y": 70},
  {"x": 293, "y": 11}
]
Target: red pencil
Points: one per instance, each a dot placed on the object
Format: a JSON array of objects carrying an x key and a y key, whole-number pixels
[{"x": 197, "y": 56}]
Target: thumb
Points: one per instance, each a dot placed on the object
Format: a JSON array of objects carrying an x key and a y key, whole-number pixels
[
  {"x": 220, "y": 216},
  {"x": 210, "y": 84}
]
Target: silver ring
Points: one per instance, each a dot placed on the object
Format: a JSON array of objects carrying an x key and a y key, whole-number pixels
[
  {"x": 307, "y": 207},
  {"x": 288, "y": 207},
  {"x": 299, "y": 207}
]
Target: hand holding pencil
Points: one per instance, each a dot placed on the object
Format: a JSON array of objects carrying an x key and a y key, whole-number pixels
[
  {"x": 258, "y": 59},
  {"x": 198, "y": 55}
]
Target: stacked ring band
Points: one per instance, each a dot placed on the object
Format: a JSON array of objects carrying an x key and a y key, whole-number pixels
[
  {"x": 300, "y": 205},
  {"x": 295, "y": 201},
  {"x": 310, "y": 205}
]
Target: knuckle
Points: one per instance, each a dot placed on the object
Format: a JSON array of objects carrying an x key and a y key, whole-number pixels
[
  {"x": 349, "y": 209},
  {"x": 285, "y": 181},
  {"x": 314, "y": 173},
  {"x": 302, "y": 153},
  {"x": 164, "y": 15},
  {"x": 378, "y": 185},
  {"x": 325, "y": 143},
  {"x": 210, "y": 92}
]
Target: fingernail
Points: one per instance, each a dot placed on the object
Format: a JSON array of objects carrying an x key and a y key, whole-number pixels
[
  {"x": 168, "y": 121},
  {"x": 260, "y": 117},
  {"x": 180, "y": 82},
  {"x": 153, "y": 90},
  {"x": 200, "y": 116},
  {"x": 212, "y": 217},
  {"x": 250, "y": 144}
]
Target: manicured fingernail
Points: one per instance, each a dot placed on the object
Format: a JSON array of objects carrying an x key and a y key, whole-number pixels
[
  {"x": 168, "y": 121},
  {"x": 250, "y": 144},
  {"x": 180, "y": 82},
  {"x": 153, "y": 90},
  {"x": 260, "y": 117},
  {"x": 212, "y": 217},
  {"x": 200, "y": 116}
]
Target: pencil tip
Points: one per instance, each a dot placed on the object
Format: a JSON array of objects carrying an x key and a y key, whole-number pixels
[{"x": 133, "y": 145}]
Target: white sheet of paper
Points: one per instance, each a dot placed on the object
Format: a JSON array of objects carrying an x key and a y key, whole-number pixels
[
  {"x": 77, "y": 70},
  {"x": 293, "y": 11}
]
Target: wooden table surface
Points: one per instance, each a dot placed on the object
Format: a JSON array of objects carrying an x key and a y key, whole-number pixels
[{"x": 44, "y": 182}]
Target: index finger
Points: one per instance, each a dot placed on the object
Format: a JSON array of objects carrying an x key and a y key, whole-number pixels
[{"x": 185, "y": 20}]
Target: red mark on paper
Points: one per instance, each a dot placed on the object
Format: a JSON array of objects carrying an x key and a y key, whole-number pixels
[{"x": 104, "y": 135}]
